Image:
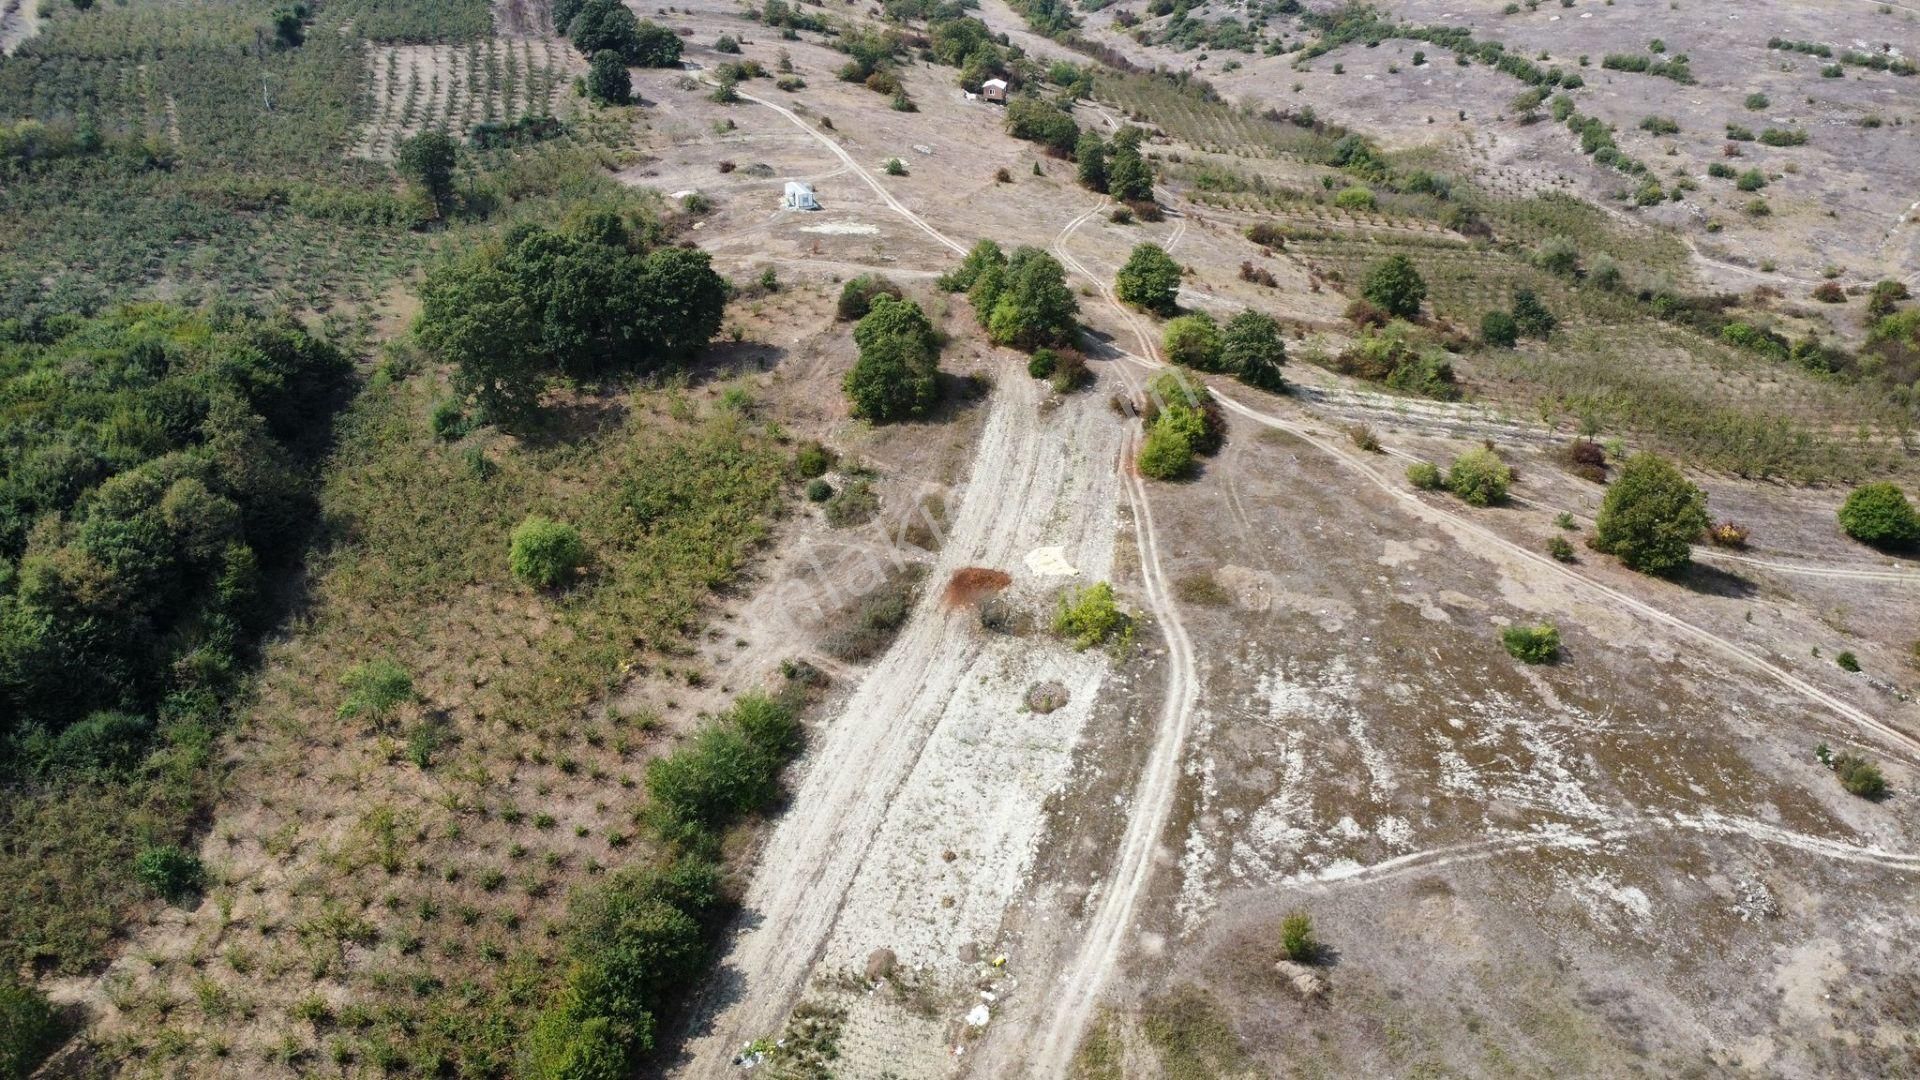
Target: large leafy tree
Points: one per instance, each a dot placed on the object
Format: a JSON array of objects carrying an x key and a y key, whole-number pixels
[
  {"x": 1395, "y": 287},
  {"x": 475, "y": 313},
  {"x": 607, "y": 79},
  {"x": 1150, "y": 279},
  {"x": 428, "y": 159},
  {"x": 1651, "y": 516},
  {"x": 1035, "y": 307},
  {"x": 897, "y": 372},
  {"x": 1091, "y": 155},
  {"x": 1251, "y": 350}
]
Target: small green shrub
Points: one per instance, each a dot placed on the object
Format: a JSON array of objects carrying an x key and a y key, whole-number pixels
[
  {"x": 1297, "y": 942},
  {"x": 1847, "y": 662},
  {"x": 856, "y": 504},
  {"x": 1166, "y": 453},
  {"x": 168, "y": 871},
  {"x": 545, "y": 552},
  {"x": 1091, "y": 616},
  {"x": 375, "y": 689},
  {"x": 1479, "y": 478},
  {"x": 1043, "y": 363},
  {"x": 812, "y": 459},
  {"x": 1424, "y": 475},
  {"x": 818, "y": 490},
  {"x": 1498, "y": 328},
  {"x": 1532, "y": 644},
  {"x": 1560, "y": 549},
  {"x": 1860, "y": 776}
]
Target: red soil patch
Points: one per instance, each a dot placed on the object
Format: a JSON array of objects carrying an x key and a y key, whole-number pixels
[{"x": 972, "y": 584}]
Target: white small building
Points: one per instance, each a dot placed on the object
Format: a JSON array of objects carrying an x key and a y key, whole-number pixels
[
  {"x": 800, "y": 197},
  {"x": 994, "y": 90}
]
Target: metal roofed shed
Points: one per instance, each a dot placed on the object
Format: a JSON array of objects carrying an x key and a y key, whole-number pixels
[{"x": 800, "y": 196}]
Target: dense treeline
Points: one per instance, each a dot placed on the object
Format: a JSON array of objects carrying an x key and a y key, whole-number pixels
[
  {"x": 601, "y": 296},
  {"x": 149, "y": 473}
]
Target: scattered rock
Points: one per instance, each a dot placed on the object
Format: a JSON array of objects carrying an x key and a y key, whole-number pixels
[
  {"x": 1305, "y": 981},
  {"x": 880, "y": 964},
  {"x": 1044, "y": 697},
  {"x": 949, "y": 855},
  {"x": 979, "y": 1016}
]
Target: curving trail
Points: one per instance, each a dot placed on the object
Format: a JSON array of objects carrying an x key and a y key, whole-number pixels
[{"x": 1077, "y": 990}]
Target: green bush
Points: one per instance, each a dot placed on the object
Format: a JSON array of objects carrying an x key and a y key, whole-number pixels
[
  {"x": 375, "y": 689},
  {"x": 1847, "y": 662},
  {"x": 858, "y": 294},
  {"x": 1150, "y": 279},
  {"x": 1560, "y": 549},
  {"x": 1751, "y": 180},
  {"x": 1395, "y": 287},
  {"x": 1043, "y": 363},
  {"x": 1530, "y": 316},
  {"x": 1651, "y": 516},
  {"x": 1354, "y": 198},
  {"x": 1879, "y": 514},
  {"x": 730, "y": 769},
  {"x": 1532, "y": 644},
  {"x": 1193, "y": 341},
  {"x": 1479, "y": 478},
  {"x": 1166, "y": 453},
  {"x": 29, "y": 1030},
  {"x": 1424, "y": 475},
  {"x": 1091, "y": 616},
  {"x": 812, "y": 459},
  {"x": 1297, "y": 942},
  {"x": 1860, "y": 776},
  {"x": 545, "y": 552},
  {"x": 168, "y": 872},
  {"x": 1252, "y": 351},
  {"x": 818, "y": 490},
  {"x": 1498, "y": 328}
]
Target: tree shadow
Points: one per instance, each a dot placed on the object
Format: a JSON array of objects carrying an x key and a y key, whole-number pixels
[
  {"x": 725, "y": 360},
  {"x": 1713, "y": 581}
]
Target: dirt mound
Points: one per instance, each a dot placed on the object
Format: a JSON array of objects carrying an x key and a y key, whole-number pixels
[
  {"x": 1046, "y": 696},
  {"x": 972, "y": 584}
]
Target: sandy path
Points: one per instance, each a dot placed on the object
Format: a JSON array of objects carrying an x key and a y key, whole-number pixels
[{"x": 848, "y": 870}]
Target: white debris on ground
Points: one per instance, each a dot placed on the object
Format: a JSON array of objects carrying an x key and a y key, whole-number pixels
[
  {"x": 1050, "y": 562},
  {"x": 842, "y": 228},
  {"x": 979, "y": 1016}
]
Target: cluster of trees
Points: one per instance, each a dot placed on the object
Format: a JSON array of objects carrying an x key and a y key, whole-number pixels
[
  {"x": 596, "y": 26},
  {"x": 1397, "y": 355},
  {"x": 1115, "y": 168},
  {"x": 898, "y": 370},
  {"x": 597, "y": 297},
  {"x": 1529, "y": 318},
  {"x": 636, "y": 942},
  {"x": 1182, "y": 421},
  {"x": 1022, "y": 299},
  {"x": 1249, "y": 347},
  {"x": 152, "y": 467}
]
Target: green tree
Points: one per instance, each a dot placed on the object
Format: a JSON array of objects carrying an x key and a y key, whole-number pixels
[
  {"x": 1879, "y": 514},
  {"x": 896, "y": 373},
  {"x": 1498, "y": 328},
  {"x": 1193, "y": 340},
  {"x": 1150, "y": 279},
  {"x": 1035, "y": 307},
  {"x": 1090, "y": 153},
  {"x": 1395, "y": 287},
  {"x": 1252, "y": 351},
  {"x": 1129, "y": 177},
  {"x": 1651, "y": 516},
  {"x": 472, "y": 314},
  {"x": 608, "y": 81},
  {"x": 984, "y": 254},
  {"x": 1530, "y": 316},
  {"x": 1297, "y": 942},
  {"x": 427, "y": 159},
  {"x": 1166, "y": 453}
]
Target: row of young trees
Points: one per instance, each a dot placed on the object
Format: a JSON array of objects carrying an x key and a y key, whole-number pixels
[{"x": 599, "y": 297}]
